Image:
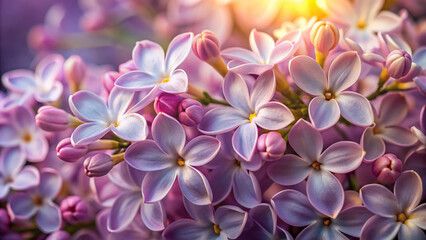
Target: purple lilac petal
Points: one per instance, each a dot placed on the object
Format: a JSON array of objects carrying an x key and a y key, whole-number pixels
[
  {"x": 312, "y": 231},
  {"x": 379, "y": 200},
  {"x": 11, "y": 161},
  {"x": 221, "y": 181},
  {"x": 332, "y": 233},
  {"x": 241, "y": 54},
  {"x": 373, "y": 144},
  {"x": 10, "y": 137},
  {"x": 21, "y": 205},
  {"x": 124, "y": 210},
  {"x": 236, "y": 92},
  {"x": 273, "y": 116},
  {"x": 342, "y": 157},
  {"x": 264, "y": 215},
  {"x": 305, "y": 140},
  {"x": 37, "y": 149},
  {"x": 48, "y": 218},
  {"x": 281, "y": 52},
  {"x": 153, "y": 216},
  {"x": 149, "y": 57},
  {"x": 51, "y": 183},
  {"x": 399, "y": 136},
  {"x": 88, "y": 107},
  {"x": 290, "y": 170},
  {"x": 262, "y": 44},
  {"x": 380, "y": 228},
  {"x": 178, "y": 50},
  {"x": 263, "y": 89},
  {"x": 325, "y": 192},
  {"x": 351, "y": 220},
  {"x": 4, "y": 188},
  {"x": 20, "y": 80},
  {"x": 147, "y": 156},
  {"x": 221, "y": 120},
  {"x": 344, "y": 71},
  {"x": 49, "y": 70},
  {"x": 238, "y": 67},
  {"x": 322, "y": 113},
  {"x": 244, "y": 140},
  {"x": 355, "y": 108},
  {"x": 294, "y": 208},
  {"x": 185, "y": 229},
  {"x": 393, "y": 109},
  {"x": 178, "y": 82},
  {"x": 156, "y": 185},
  {"x": 23, "y": 118},
  {"x": 410, "y": 231},
  {"x": 231, "y": 220},
  {"x": 308, "y": 75},
  {"x": 119, "y": 101},
  {"x": 131, "y": 127},
  {"x": 52, "y": 95},
  {"x": 194, "y": 185},
  {"x": 408, "y": 190},
  {"x": 136, "y": 80},
  {"x": 200, "y": 150},
  {"x": 89, "y": 132},
  {"x": 418, "y": 216},
  {"x": 246, "y": 188},
  {"x": 201, "y": 213},
  {"x": 165, "y": 125},
  {"x": 28, "y": 177}
]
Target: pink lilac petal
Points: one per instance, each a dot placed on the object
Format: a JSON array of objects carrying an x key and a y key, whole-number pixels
[
  {"x": 27, "y": 178},
  {"x": 322, "y": 113},
  {"x": 398, "y": 136},
  {"x": 408, "y": 190},
  {"x": 410, "y": 231},
  {"x": 48, "y": 71},
  {"x": 51, "y": 183},
  {"x": 10, "y": 136},
  {"x": 148, "y": 57},
  {"x": 290, "y": 170},
  {"x": 23, "y": 118},
  {"x": 119, "y": 101},
  {"x": 379, "y": 200},
  {"x": 344, "y": 71},
  {"x": 221, "y": 120},
  {"x": 156, "y": 185},
  {"x": 241, "y": 54},
  {"x": 393, "y": 109},
  {"x": 36, "y": 150},
  {"x": 178, "y": 82},
  {"x": 21, "y": 205},
  {"x": 52, "y": 95},
  {"x": 148, "y": 97},
  {"x": 20, "y": 80},
  {"x": 385, "y": 21},
  {"x": 236, "y": 92},
  {"x": 373, "y": 144},
  {"x": 325, "y": 193},
  {"x": 200, "y": 150},
  {"x": 231, "y": 220},
  {"x": 4, "y": 189},
  {"x": 341, "y": 10},
  {"x": 147, "y": 156},
  {"x": 281, "y": 52},
  {"x": 355, "y": 108},
  {"x": 342, "y": 157},
  {"x": 11, "y": 161},
  {"x": 306, "y": 140},
  {"x": 178, "y": 50},
  {"x": 88, "y": 107},
  {"x": 136, "y": 80},
  {"x": 263, "y": 89},
  {"x": 246, "y": 188},
  {"x": 351, "y": 220},
  {"x": 123, "y": 211},
  {"x": 48, "y": 218},
  {"x": 165, "y": 125},
  {"x": 153, "y": 216},
  {"x": 239, "y": 67},
  {"x": 273, "y": 116},
  {"x": 262, "y": 45},
  {"x": 131, "y": 127},
  {"x": 380, "y": 228},
  {"x": 221, "y": 182},
  {"x": 308, "y": 75},
  {"x": 367, "y": 10},
  {"x": 244, "y": 140},
  {"x": 89, "y": 132},
  {"x": 194, "y": 185}
]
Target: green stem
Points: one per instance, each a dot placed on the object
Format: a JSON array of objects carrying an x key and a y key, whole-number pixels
[{"x": 207, "y": 99}]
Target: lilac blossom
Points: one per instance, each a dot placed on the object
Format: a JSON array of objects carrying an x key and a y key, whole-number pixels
[
  {"x": 397, "y": 213},
  {"x": 13, "y": 174},
  {"x": 294, "y": 208},
  {"x": 330, "y": 100},
  {"x": 38, "y": 202},
  {"x": 249, "y": 110},
  {"x": 21, "y": 131},
  {"x": 323, "y": 189},
  {"x": 168, "y": 158},
  {"x": 100, "y": 118}
]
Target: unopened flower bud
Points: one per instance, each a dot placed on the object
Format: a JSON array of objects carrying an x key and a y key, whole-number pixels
[
  {"x": 414, "y": 72},
  {"x": 43, "y": 38},
  {"x": 324, "y": 36},
  {"x": 127, "y": 67},
  {"x": 75, "y": 70},
  {"x": 69, "y": 153},
  {"x": 59, "y": 235},
  {"x": 206, "y": 46},
  {"x": 4, "y": 221},
  {"x": 109, "y": 80},
  {"x": 167, "y": 103},
  {"x": 74, "y": 209},
  {"x": 271, "y": 146},
  {"x": 98, "y": 165},
  {"x": 387, "y": 168},
  {"x": 94, "y": 20},
  {"x": 53, "y": 119},
  {"x": 398, "y": 63},
  {"x": 190, "y": 112}
]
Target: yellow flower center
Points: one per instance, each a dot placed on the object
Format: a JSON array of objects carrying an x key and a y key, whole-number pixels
[
  {"x": 38, "y": 201},
  {"x": 316, "y": 165},
  {"x": 180, "y": 161},
  {"x": 401, "y": 218},
  {"x": 166, "y": 79},
  {"x": 326, "y": 221},
  {"x": 27, "y": 137},
  {"x": 361, "y": 24},
  {"x": 253, "y": 115},
  {"x": 217, "y": 229}
]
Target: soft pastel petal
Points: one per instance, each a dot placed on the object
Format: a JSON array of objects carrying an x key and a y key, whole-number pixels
[
  {"x": 398, "y": 136},
  {"x": 231, "y": 220},
  {"x": 149, "y": 57},
  {"x": 418, "y": 216},
  {"x": 290, "y": 170},
  {"x": 11, "y": 161},
  {"x": 385, "y": 21},
  {"x": 305, "y": 140},
  {"x": 9, "y": 135},
  {"x": 200, "y": 150},
  {"x": 273, "y": 116},
  {"x": 124, "y": 210},
  {"x": 393, "y": 109},
  {"x": 355, "y": 108},
  {"x": 89, "y": 132},
  {"x": 294, "y": 208},
  {"x": 156, "y": 185},
  {"x": 244, "y": 140},
  {"x": 342, "y": 157},
  {"x": 408, "y": 190},
  {"x": 51, "y": 183},
  {"x": 20, "y": 80},
  {"x": 380, "y": 228},
  {"x": 28, "y": 177},
  {"x": 262, "y": 44},
  {"x": 178, "y": 50},
  {"x": 165, "y": 125},
  {"x": 131, "y": 127},
  {"x": 236, "y": 92},
  {"x": 177, "y": 83},
  {"x": 221, "y": 120},
  {"x": 410, "y": 231},
  {"x": 221, "y": 181},
  {"x": 342, "y": 10},
  {"x": 379, "y": 200},
  {"x": 51, "y": 95},
  {"x": 344, "y": 71},
  {"x": 37, "y": 149},
  {"x": 239, "y": 67},
  {"x": 367, "y": 10},
  {"x": 185, "y": 229},
  {"x": 4, "y": 188},
  {"x": 201, "y": 213},
  {"x": 351, "y": 220},
  {"x": 281, "y": 52},
  {"x": 49, "y": 70},
  {"x": 119, "y": 101},
  {"x": 322, "y": 113},
  {"x": 194, "y": 186},
  {"x": 241, "y": 54},
  {"x": 263, "y": 89},
  {"x": 48, "y": 218},
  {"x": 153, "y": 216},
  {"x": 373, "y": 144},
  {"x": 21, "y": 205},
  {"x": 136, "y": 80},
  {"x": 88, "y": 106},
  {"x": 325, "y": 192},
  {"x": 246, "y": 188},
  {"x": 147, "y": 156},
  {"x": 308, "y": 75}
]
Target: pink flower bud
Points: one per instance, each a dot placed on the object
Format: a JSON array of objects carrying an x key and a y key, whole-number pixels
[
  {"x": 94, "y": 20},
  {"x": 4, "y": 221},
  {"x": 43, "y": 38},
  {"x": 167, "y": 103},
  {"x": 127, "y": 67},
  {"x": 190, "y": 112},
  {"x": 52, "y": 119},
  {"x": 398, "y": 63},
  {"x": 324, "y": 36},
  {"x": 75, "y": 69},
  {"x": 109, "y": 80},
  {"x": 415, "y": 71},
  {"x": 59, "y": 235},
  {"x": 271, "y": 146},
  {"x": 206, "y": 46},
  {"x": 98, "y": 165},
  {"x": 67, "y": 152},
  {"x": 74, "y": 209},
  {"x": 387, "y": 168}
]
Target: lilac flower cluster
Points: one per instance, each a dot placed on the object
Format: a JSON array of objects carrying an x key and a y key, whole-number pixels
[{"x": 316, "y": 134}]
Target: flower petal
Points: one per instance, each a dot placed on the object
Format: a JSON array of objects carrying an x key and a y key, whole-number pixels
[
  {"x": 50, "y": 96},
  {"x": 294, "y": 208},
  {"x": 194, "y": 186},
  {"x": 119, "y": 101},
  {"x": 281, "y": 52},
  {"x": 241, "y": 54},
  {"x": 178, "y": 82},
  {"x": 379, "y": 200},
  {"x": 201, "y": 213},
  {"x": 244, "y": 140},
  {"x": 385, "y": 21},
  {"x": 156, "y": 185},
  {"x": 153, "y": 216},
  {"x": 355, "y": 108},
  {"x": 325, "y": 193},
  {"x": 418, "y": 216},
  {"x": 87, "y": 107},
  {"x": 28, "y": 177},
  {"x": 165, "y": 125},
  {"x": 408, "y": 190},
  {"x": 342, "y": 10},
  {"x": 178, "y": 50},
  {"x": 136, "y": 80},
  {"x": 322, "y": 113},
  {"x": 37, "y": 149},
  {"x": 239, "y": 67},
  {"x": 221, "y": 120},
  {"x": 262, "y": 44},
  {"x": 410, "y": 231},
  {"x": 11, "y": 161},
  {"x": 185, "y": 229},
  {"x": 200, "y": 150},
  {"x": 123, "y": 211},
  {"x": 399, "y": 136},
  {"x": 290, "y": 170},
  {"x": 48, "y": 218},
  {"x": 149, "y": 57},
  {"x": 9, "y": 135},
  {"x": 264, "y": 215},
  {"x": 305, "y": 140},
  {"x": 373, "y": 144},
  {"x": 89, "y": 132},
  {"x": 367, "y": 10},
  {"x": 51, "y": 183},
  {"x": 246, "y": 188},
  {"x": 344, "y": 71},
  {"x": 263, "y": 89},
  {"x": 379, "y": 228},
  {"x": 221, "y": 181},
  {"x": 20, "y": 80},
  {"x": 21, "y": 205},
  {"x": 308, "y": 75},
  {"x": 273, "y": 116},
  {"x": 147, "y": 156},
  {"x": 49, "y": 70},
  {"x": 351, "y": 220},
  {"x": 313, "y": 231},
  {"x": 131, "y": 127},
  {"x": 236, "y": 92},
  {"x": 231, "y": 220},
  {"x": 393, "y": 109},
  {"x": 342, "y": 157}
]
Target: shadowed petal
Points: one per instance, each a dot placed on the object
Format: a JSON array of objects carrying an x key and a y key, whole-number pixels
[
  {"x": 9, "y": 136},
  {"x": 48, "y": 218},
  {"x": 408, "y": 190},
  {"x": 201, "y": 213},
  {"x": 322, "y": 113},
  {"x": 236, "y": 66},
  {"x": 89, "y": 132},
  {"x": 246, "y": 188},
  {"x": 273, "y": 116},
  {"x": 244, "y": 140},
  {"x": 49, "y": 70},
  {"x": 380, "y": 228},
  {"x": 379, "y": 200},
  {"x": 36, "y": 150},
  {"x": 149, "y": 57},
  {"x": 351, "y": 220},
  {"x": 410, "y": 231},
  {"x": 399, "y": 136},
  {"x": 221, "y": 120},
  {"x": 355, "y": 108},
  {"x": 21, "y": 205},
  {"x": 88, "y": 107},
  {"x": 305, "y": 140},
  {"x": 28, "y": 177},
  {"x": 185, "y": 229},
  {"x": 344, "y": 71},
  {"x": 308, "y": 75},
  {"x": 312, "y": 231},
  {"x": 231, "y": 220},
  {"x": 147, "y": 156},
  {"x": 51, "y": 183},
  {"x": 236, "y": 92},
  {"x": 393, "y": 109},
  {"x": 124, "y": 210},
  {"x": 200, "y": 150},
  {"x": 263, "y": 89},
  {"x": 342, "y": 157},
  {"x": 178, "y": 82},
  {"x": 290, "y": 170},
  {"x": 385, "y": 21},
  {"x": 194, "y": 186},
  {"x": 264, "y": 215},
  {"x": 11, "y": 161},
  {"x": 156, "y": 185},
  {"x": 153, "y": 216},
  {"x": 132, "y": 127},
  {"x": 221, "y": 181},
  {"x": 373, "y": 144},
  {"x": 178, "y": 50},
  {"x": 136, "y": 80},
  {"x": 165, "y": 125}
]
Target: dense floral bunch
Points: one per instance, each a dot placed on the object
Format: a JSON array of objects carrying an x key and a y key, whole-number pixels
[{"x": 319, "y": 134}]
